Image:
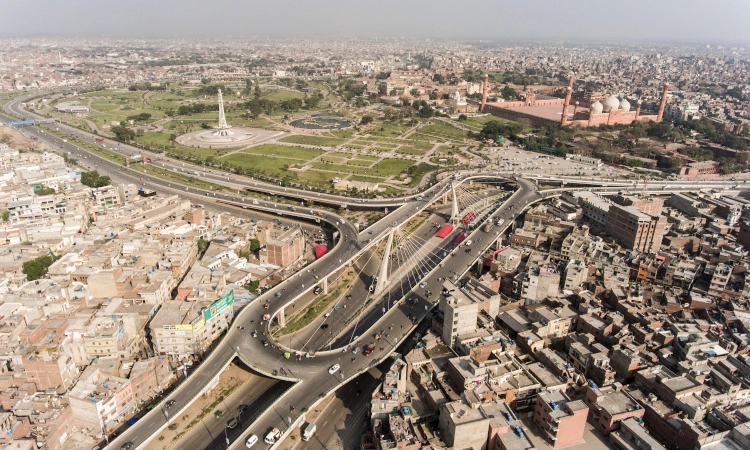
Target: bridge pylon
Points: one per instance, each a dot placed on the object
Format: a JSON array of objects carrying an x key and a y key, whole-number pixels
[
  {"x": 383, "y": 272},
  {"x": 454, "y": 211}
]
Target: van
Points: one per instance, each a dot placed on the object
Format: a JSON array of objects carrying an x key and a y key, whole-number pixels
[{"x": 272, "y": 436}]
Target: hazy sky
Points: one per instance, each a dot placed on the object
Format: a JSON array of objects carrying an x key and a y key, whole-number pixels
[{"x": 696, "y": 21}]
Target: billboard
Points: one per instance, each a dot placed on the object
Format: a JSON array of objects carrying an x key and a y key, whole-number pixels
[
  {"x": 183, "y": 327},
  {"x": 21, "y": 122},
  {"x": 219, "y": 305}
]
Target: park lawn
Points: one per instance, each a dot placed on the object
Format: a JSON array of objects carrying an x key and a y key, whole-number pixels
[
  {"x": 196, "y": 154},
  {"x": 281, "y": 94},
  {"x": 420, "y": 142},
  {"x": 345, "y": 169},
  {"x": 185, "y": 180},
  {"x": 258, "y": 122},
  {"x": 285, "y": 151},
  {"x": 443, "y": 129},
  {"x": 264, "y": 164},
  {"x": 409, "y": 150},
  {"x": 365, "y": 179},
  {"x": 392, "y": 166},
  {"x": 355, "y": 162},
  {"x": 344, "y": 134},
  {"x": 332, "y": 160},
  {"x": 313, "y": 140},
  {"x": 313, "y": 176},
  {"x": 366, "y": 157},
  {"x": 389, "y": 130},
  {"x": 154, "y": 139},
  {"x": 339, "y": 154}
]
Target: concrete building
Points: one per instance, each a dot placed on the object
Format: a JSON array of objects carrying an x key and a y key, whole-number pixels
[
  {"x": 635, "y": 230},
  {"x": 610, "y": 406},
  {"x": 633, "y": 436},
  {"x": 461, "y": 308},
  {"x": 283, "y": 249},
  {"x": 183, "y": 328},
  {"x": 560, "y": 419},
  {"x": 576, "y": 273},
  {"x": 463, "y": 426}
]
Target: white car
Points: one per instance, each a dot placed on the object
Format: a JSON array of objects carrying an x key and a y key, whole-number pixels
[
  {"x": 334, "y": 368},
  {"x": 468, "y": 243},
  {"x": 422, "y": 285},
  {"x": 252, "y": 440}
]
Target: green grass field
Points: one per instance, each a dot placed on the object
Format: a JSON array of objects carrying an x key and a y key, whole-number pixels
[
  {"x": 444, "y": 129},
  {"x": 285, "y": 151},
  {"x": 271, "y": 166},
  {"x": 281, "y": 94},
  {"x": 313, "y": 140}
]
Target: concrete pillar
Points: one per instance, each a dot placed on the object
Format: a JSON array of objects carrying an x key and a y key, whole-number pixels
[
  {"x": 662, "y": 103},
  {"x": 637, "y": 109},
  {"x": 383, "y": 272},
  {"x": 445, "y": 198},
  {"x": 281, "y": 318},
  {"x": 485, "y": 89},
  {"x": 499, "y": 242},
  {"x": 325, "y": 285}
]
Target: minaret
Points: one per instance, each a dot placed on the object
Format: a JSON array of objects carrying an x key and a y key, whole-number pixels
[
  {"x": 662, "y": 103},
  {"x": 223, "y": 128},
  {"x": 564, "y": 118},
  {"x": 485, "y": 88},
  {"x": 637, "y": 109}
]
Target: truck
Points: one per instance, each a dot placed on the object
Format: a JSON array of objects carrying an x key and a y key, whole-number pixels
[
  {"x": 488, "y": 226},
  {"x": 309, "y": 432},
  {"x": 369, "y": 348}
]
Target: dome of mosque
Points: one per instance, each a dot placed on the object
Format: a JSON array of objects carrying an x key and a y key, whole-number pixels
[
  {"x": 596, "y": 107},
  {"x": 624, "y": 105},
  {"x": 610, "y": 103}
]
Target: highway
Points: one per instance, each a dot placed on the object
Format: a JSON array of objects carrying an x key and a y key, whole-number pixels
[{"x": 312, "y": 377}]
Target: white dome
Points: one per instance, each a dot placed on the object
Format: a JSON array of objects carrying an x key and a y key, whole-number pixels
[
  {"x": 596, "y": 107},
  {"x": 610, "y": 103},
  {"x": 624, "y": 105}
]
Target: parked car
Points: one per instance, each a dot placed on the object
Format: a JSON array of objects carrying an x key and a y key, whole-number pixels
[{"x": 334, "y": 368}]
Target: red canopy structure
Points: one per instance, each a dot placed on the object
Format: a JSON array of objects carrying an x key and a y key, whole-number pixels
[
  {"x": 444, "y": 231},
  {"x": 320, "y": 250}
]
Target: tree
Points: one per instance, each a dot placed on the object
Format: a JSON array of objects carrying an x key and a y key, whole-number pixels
[
  {"x": 254, "y": 245},
  {"x": 37, "y": 267},
  {"x": 44, "y": 190},
  {"x": 123, "y": 134},
  {"x": 367, "y": 119},
  {"x": 426, "y": 111},
  {"x": 312, "y": 101},
  {"x": 5, "y": 215},
  {"x": 382, "y": 75},
  {"x": 5, "y": 138},
  {"x": 94, "y": 180},
  {"x": 438, "y": 78},
  {"x": 202, "y": 246},
  {"x": 462, "y": 118},
  {"x": 414, "y": 92},
  {"x": 508, "y": 93}
]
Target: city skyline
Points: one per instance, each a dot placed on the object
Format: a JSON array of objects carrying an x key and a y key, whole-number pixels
[{"x": 580, "y": 20}]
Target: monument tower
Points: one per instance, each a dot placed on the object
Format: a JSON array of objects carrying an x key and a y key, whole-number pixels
[{"x": 223, "y": 128}]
